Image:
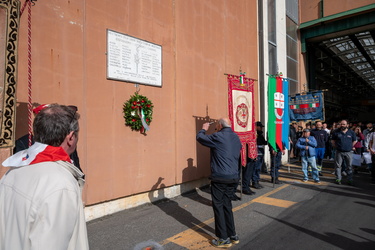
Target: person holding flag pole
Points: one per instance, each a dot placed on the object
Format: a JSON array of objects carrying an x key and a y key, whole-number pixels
[{"x": 276, "y": 155}]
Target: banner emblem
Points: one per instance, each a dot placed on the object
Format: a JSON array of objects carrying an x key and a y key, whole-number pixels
[
  {"x": 279, "y": 105},
  {"x": 242, "y": 115}
]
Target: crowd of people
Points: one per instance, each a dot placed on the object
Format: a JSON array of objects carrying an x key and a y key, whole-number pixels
[
  {"x": 347, "y": 144},
  {"x": 40, "y": 195},
  {"x": 311, "y": 144}
]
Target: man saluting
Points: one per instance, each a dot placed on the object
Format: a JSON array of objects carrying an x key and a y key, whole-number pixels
[{"x": 225, "y": 155}]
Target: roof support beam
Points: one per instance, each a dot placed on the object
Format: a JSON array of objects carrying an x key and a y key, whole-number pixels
[
  {"x": 362, "y": 50},
  {"x": 333, "y": 27}
]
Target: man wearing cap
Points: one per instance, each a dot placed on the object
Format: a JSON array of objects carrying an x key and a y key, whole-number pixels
[
  {"x": 343, "y": 140},
  {"x": 41, "y": 193},
  {"x": 307, "y": 145},
  {"x": 261, "y": 142}
]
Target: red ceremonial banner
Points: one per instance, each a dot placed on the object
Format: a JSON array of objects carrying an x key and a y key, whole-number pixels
[{"x": 241, "y": 113}]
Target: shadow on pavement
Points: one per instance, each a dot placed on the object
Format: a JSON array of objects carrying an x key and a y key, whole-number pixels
[
  {"x": 187, "y": 173},
  {"x": 173, "y": 209},
  {"x": 361, "y": 189},
  {"x": 331, "y": 238}
]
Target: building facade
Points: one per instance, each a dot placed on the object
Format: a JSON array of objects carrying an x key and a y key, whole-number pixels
[{"x": 201, "y": 41}]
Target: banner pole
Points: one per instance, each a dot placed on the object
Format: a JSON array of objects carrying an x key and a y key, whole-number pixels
[{"x": 273, "y": 160}]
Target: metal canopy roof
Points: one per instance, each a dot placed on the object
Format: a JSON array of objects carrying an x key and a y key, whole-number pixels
[
  {"x": 341, "y": 60},
  {"x": 345, "y": 65},
  {"x": 341, "y": 56},
  {"x": 358, "y": 52}
]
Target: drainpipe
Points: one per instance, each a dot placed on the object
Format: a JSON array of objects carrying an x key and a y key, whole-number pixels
[
  {"x": 262, "y": 112},
  {"x": 321, "y": 9}
]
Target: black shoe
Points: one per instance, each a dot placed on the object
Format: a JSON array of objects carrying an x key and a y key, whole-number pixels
[
  {"x": 256, "y": 185},
  {"x": 278, "y": 182},
  {"x": 248, "y": 192},
  {"x": 221, "y": 243},
  {"x": 320, "y": 174},
  {"x": 235, "y": 198},
  {"x": 234, "y": 239}
]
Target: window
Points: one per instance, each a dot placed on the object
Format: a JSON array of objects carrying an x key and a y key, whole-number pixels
[
  {"x": 292, "y": 44},
  {"x": 272, "y": 48}
]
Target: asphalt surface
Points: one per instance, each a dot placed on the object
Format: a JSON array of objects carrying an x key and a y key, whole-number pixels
[{"x": 293, "y": 215}]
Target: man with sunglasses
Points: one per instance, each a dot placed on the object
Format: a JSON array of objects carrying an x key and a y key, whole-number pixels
[{"x": 40, "y": 195}]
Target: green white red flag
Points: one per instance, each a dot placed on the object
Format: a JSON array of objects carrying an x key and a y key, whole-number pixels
[{"x": 278, "y": 112}]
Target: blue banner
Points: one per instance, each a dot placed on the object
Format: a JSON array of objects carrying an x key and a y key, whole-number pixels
[
  {"x": 286, "y": 118},
  {"x": 307, "y": 107}
]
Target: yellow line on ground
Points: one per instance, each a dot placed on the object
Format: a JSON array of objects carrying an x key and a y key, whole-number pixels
[
  {"x": 197, "y": 238},
  {"x": 274, "y": 202}
]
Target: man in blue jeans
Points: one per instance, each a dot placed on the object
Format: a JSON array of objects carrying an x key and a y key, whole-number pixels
[{"x": 307, "y": 145}]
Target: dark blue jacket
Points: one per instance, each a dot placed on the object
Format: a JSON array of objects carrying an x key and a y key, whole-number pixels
[
  {"x": 225, "y": 154},
  {"x": 321, "y": 137}
]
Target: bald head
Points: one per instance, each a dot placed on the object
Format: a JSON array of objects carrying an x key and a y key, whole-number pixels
[{"x": 224, "y": 122}]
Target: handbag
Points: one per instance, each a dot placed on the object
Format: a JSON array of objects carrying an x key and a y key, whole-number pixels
[
  {"x": 367, "y": 157},
  {"x": 356, "y": 160}
]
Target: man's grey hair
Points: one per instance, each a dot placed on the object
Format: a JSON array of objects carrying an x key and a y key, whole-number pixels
[
  {"x": 224, "y": 123},
  {"x": 54, "y": 123}
]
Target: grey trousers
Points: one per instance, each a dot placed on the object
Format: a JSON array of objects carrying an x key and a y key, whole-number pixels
[{"x": 339, "y": 158}]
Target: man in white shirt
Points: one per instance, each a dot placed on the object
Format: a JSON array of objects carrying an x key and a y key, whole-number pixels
[
  {"x": 40, "y": 195},
  {"x": 325, "y": 127},
  {"x": 371, "y": 147}
]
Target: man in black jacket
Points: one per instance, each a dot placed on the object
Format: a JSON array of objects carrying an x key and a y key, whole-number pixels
[
  {"x": 293, "y": 128},
  {"x": 225, "y": 155},
  {"x": 261, "y": 142},
  {"x": 321, "y": 137}
]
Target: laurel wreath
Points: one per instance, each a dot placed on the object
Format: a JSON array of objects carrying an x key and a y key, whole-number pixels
[{"x": 136, "y": 107}]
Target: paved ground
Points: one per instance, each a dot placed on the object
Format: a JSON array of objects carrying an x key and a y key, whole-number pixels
[{"x": 293, "y": 215}]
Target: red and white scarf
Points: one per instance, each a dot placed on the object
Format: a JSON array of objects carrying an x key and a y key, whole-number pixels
[{"x": 37, "y": 153}]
